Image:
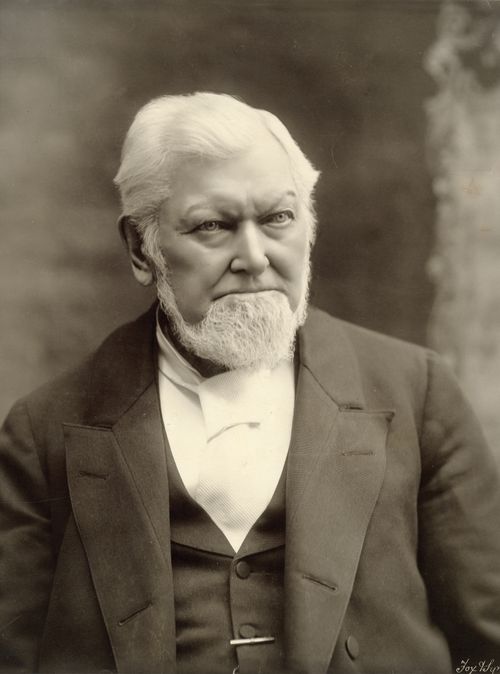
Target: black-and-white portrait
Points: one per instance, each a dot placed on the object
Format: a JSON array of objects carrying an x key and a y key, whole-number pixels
[{"x": 250, "y": 341}]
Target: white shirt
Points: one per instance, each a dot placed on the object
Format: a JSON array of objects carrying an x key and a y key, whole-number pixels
[{"x": 229, "y": 435}]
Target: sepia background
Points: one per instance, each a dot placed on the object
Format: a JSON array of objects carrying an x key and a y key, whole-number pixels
[{"x": 397, "y": 102}]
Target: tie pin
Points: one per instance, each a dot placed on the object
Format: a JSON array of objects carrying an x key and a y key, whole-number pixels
[{"x": 251, "y": 641}]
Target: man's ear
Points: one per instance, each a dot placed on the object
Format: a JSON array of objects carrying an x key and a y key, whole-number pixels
[{"x": 141, "y": 267}]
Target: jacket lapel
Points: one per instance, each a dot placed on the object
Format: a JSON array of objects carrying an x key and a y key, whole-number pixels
[
  {"x": 116, "y": 466},
  {"x": 119, "y": 491},
  {"x": 335, "y": 471}
]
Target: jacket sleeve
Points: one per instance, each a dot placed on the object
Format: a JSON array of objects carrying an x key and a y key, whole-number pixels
[
  {"x": 26, "y": 564},
  {"x": 459, "y": 522}
]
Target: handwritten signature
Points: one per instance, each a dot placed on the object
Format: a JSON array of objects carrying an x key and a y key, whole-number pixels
[{"x": 468, "y": 667}]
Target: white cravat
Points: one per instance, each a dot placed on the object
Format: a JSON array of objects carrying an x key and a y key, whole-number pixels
[{"x": 229, "y": 436}]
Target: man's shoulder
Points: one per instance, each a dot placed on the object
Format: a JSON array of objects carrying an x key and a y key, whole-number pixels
[
  {"x": 335, "y": 350},
  {"x": 324, "y": 328},
  {"x": 67, "y": 396}
]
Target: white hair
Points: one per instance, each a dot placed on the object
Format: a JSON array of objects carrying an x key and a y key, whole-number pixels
[{"x": 172, "y": 128}]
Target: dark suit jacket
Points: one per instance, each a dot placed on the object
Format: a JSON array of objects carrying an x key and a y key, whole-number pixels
[{"x": 393, "y": 515}]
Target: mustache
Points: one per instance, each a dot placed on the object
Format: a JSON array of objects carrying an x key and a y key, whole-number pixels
[{"x": 249, "y": 296}]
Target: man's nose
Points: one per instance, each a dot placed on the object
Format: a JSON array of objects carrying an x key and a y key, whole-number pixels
[{"x": 250, "y": 250}]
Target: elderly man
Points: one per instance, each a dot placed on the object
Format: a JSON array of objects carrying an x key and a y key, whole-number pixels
[{"x": 227, "y": 485}]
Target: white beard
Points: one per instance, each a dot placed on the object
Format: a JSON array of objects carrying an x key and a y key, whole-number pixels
[{"x": 250, "y": 331}]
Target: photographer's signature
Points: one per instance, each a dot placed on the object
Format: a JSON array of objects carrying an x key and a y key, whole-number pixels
[{"x": 468, "y": 667}]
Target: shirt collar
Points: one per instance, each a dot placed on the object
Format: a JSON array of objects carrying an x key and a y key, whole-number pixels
[{"x": 174, "y": 366}]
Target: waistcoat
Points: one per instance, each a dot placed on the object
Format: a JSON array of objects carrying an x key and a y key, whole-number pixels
[{"x": 219, "y": 595}]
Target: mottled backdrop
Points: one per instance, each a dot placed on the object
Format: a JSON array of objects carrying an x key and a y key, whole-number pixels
[{"x": 346, "y": 77}]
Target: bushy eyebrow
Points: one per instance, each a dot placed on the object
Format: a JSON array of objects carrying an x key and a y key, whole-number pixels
[
  {"x": 227, "y": 211},
  {"x": 277, "y": 202}
]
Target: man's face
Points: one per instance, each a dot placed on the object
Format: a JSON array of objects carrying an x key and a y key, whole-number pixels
[{"x": 234, "y": 226}]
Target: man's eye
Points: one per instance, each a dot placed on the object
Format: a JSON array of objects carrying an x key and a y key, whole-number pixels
[
  {"x": 211, "y": 226},
  {"x": 279, "y": 218}
]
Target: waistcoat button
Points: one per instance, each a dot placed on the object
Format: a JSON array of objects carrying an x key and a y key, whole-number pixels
[
  {"x": 352, "y": 647},
  {"x": 247, "y": 631},
  {"x": 242, "y": 569}
]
